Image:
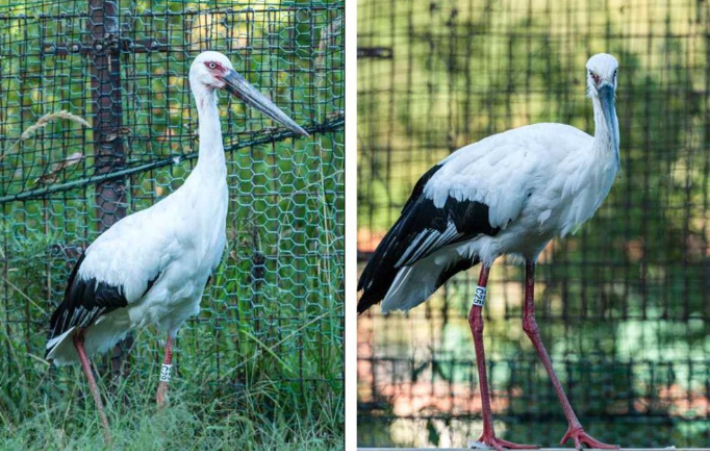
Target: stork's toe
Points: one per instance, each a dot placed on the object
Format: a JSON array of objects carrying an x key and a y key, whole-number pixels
[
  {"x": 582, "y": 439},
  {"x": 491, "y": 441}
]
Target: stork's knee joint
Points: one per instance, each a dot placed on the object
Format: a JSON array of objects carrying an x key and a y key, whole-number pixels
[
  {"x": 475, "y": 320},
  {"x": 530, "y": 326},
  {"x": 477, "y": 325}
]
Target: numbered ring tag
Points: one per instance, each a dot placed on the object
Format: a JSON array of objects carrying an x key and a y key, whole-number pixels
[
  {"x": 166, "y": 373},
  {"x": 479, "y": 297}
]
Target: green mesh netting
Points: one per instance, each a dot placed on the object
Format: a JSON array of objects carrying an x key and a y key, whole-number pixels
[{"x": 273, "y": 311}]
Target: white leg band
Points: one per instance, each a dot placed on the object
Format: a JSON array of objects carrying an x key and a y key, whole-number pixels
[
  {"x": 166, "y": 373},
  {"x": 479, "y": 297}
]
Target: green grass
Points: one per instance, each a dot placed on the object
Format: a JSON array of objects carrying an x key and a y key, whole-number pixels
[
  {"x": 253, "y": 370},
  {"x": 228, "y": 423}
]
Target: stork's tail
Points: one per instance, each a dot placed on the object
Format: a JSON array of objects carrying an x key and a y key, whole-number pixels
[
  {"x": 98, "y": 338},
  {"x": 410, "y": 285},
  {"x": 374, "y": 282},
  {"x": 60, "y": 346}
]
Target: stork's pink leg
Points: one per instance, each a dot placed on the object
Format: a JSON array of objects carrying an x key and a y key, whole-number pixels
[
  {"x": 575, "y": 430},
  {"x": 86, "y": 365},
  {"x": 165, "y": 373},
  {"x": 475, "y": 321}
]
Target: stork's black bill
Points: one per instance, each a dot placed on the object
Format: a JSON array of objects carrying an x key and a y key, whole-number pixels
[
  {"x": 237, "y": 85},
  {"x": 606, "y": 99}
]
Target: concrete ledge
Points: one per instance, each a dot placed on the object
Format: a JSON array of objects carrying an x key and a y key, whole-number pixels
[{"x": 540, "y": 449}]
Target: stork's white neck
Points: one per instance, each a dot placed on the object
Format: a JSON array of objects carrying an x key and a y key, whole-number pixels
[
  {"x": 604, "y": 143},
  {"x": 211, "y": 160}
]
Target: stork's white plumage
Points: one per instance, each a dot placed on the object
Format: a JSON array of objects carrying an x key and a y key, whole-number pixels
[
  {"x": 508, "y": 194},
  {"x": 151, "y": 267}
]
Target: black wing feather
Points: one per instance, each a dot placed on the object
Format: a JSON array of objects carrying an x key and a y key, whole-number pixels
[
  {"x": 84, "y": 301},
  {"x": 421, "y": 230}
]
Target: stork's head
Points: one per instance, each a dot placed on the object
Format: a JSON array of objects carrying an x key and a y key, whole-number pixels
[
  {"x": 601, "y": 85},
  {"x": 214, "y": 71},
  {"x": 601, "y": 72}
]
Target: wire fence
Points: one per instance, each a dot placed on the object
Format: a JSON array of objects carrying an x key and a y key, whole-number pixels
[
  {"x": 274, "y": 309},
  {"x": 623, "y": 304}
]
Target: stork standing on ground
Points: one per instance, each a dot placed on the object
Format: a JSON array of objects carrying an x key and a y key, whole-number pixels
[
  {"x": 151, "y": 267},
  {"x": 511, "y": 194}
]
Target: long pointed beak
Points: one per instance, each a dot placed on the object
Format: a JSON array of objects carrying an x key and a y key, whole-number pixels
[
  {"x": 606, "y": 98},
  {"x": 237, "y": 85}
]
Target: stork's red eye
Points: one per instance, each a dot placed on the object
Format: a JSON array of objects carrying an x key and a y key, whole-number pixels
[
  {"x": 212, "y": 65},
  {"x": 597, "y": 79}
]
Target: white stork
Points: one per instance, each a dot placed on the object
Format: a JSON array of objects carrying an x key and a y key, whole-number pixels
[
  {"x": 510, "y": 193},
  {"x": 151, "y": 267}
]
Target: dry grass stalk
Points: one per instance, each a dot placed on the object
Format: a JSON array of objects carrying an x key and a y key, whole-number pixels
[
  {"x": 49, "y": 118},
  {"x": 43, "y": 122}
]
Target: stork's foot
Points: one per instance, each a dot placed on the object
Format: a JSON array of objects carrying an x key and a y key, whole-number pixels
[
  {"x": 581, "y": 438},
  {"x": 161, "y": 397},
  {"x": 491, "y": 441}
]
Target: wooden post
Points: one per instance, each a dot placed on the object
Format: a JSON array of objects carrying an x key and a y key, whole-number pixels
[
  {"x": 108, "y": 111},
  {"x": 110, "y": 195}
]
